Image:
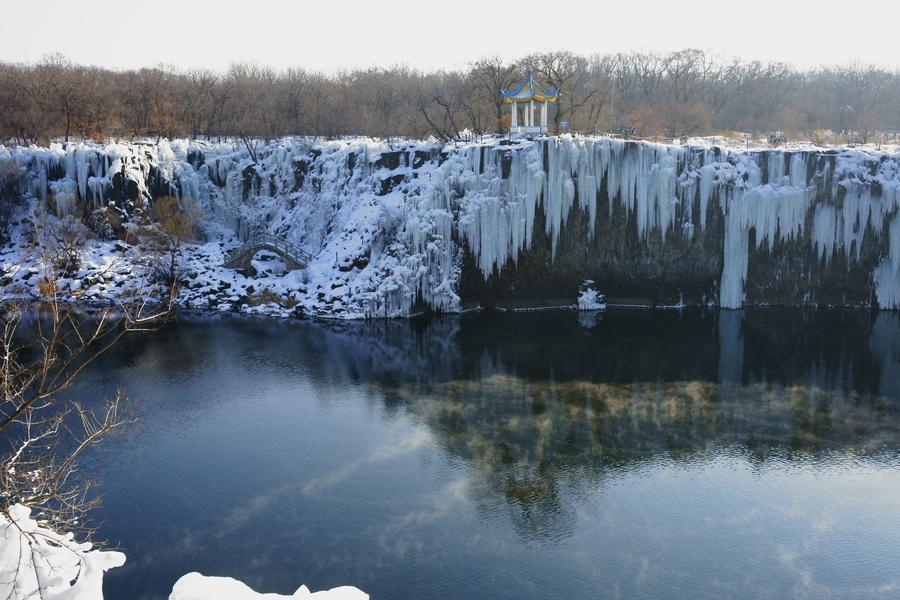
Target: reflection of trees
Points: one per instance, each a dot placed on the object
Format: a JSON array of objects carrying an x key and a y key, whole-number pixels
[{"x": 528, "y": 440}]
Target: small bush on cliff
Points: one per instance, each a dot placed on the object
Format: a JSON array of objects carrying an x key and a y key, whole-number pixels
[
  {"x": 63, "y": 245},
  {"x": 176, "y": 221}
]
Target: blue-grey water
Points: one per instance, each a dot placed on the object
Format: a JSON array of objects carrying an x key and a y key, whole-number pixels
[{"x": 694, "y": 454}]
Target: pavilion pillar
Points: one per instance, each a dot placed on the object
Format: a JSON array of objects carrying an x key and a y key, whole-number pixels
[
  {"x": 514, "y": 120},
  {"x": 531, "y": 113},
  {"x": 544, "y": 116}
]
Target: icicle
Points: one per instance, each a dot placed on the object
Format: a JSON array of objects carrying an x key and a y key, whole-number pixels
[
  {"x": 708, "y": 184},
  {"x": 798, "y": 171},
  {"x": 824, "y": 232},
  {"x": 887, "y": 273},
  {"x": 766, "y": 209}
]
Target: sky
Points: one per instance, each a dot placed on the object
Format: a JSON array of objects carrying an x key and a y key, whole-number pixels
[{"x": 329, "y": 35}]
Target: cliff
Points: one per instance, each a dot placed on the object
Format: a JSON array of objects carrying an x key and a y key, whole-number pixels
[{"x": 395, "y": 228}]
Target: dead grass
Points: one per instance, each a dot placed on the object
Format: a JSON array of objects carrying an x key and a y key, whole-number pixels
[
  {"x": 47, "y": 287},
  {"x": 268, "y": 297}
]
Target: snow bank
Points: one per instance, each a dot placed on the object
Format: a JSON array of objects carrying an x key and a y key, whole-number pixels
[
  {"x": 39, "y": 563},
  {"x": 195, "y": 586}
]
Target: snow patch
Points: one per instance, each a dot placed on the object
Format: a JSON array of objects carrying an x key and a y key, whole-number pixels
[
  {"x": 38, "y": 563},
  {"x": 589, "y": 298},
  {"x": 195, "y": 586}
]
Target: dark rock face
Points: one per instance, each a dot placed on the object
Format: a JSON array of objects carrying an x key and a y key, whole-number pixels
[
  {"x": 301, "y": 169},
  {"x": 627, "y": 269},
  {"x": 55, "y": 171},
  {"x": 251, "y": 181},
  {"x": 124, "y": 191},
  {"x": 390, "y": 160},
  {"x": 687, "y": 266},
  {"x": 652, "y": 272},
  {"x": 389, "y": 183},
  {"x": 157, "y": 185},
  {"x": 420, "y": 158},
  {"x": 218, "y": 177},
  {"x": 196, "y": 158}
]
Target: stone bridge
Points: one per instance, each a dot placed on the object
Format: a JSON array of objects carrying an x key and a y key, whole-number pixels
[{"x": 240, "y": 258}]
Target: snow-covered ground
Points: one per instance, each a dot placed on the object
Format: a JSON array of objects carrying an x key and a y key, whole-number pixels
[
  {"x": 36, "y": 562},
  {"x": 387, "y": 225},
  {"x": 39, "y": 563},
  {"x": 829, "y": 140},
  {"x": 195, "y": 586}
]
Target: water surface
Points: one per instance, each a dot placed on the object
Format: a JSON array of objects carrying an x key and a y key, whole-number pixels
[{"x": 695, "y": 454}]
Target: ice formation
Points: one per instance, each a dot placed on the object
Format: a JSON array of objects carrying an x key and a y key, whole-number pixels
[
  {"x": 389, "y": 225},
  {"x": 589, "y": 298}
]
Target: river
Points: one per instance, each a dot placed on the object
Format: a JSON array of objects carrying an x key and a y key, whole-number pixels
[{"x": 634, "y": 454}]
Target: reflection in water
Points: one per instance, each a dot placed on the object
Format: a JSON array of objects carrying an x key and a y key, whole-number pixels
[
  {"x": 642, "y": 454},
  {"x": 524, "y": 437}
]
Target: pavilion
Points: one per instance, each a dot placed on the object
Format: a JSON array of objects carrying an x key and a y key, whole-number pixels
[{"x": 527, "y": 94}]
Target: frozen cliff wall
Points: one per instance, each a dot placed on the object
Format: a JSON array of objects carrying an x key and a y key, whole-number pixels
[
  {"x": 657, "y": 224},
  {"x": 358, "y": 207},
  {"x": 396, "y": 227}
]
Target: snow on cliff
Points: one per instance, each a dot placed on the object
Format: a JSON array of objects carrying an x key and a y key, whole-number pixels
[{"x": 388, "y": 225}]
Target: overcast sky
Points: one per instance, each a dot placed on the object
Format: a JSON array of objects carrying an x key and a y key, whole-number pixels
[{"x": 333, "y": 34}]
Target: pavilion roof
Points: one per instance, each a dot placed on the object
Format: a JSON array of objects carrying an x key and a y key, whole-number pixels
[{"x": 530, "y": 90}]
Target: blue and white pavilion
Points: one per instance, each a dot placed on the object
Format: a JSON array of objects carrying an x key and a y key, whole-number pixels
[{"x": 526, "y": 95}]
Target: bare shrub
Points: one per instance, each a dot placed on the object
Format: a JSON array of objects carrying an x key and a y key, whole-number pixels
[
  {"x": 44, "y": 434},
  {"x": 176, "y": 221},
  {"x": 62, "y": 245}
]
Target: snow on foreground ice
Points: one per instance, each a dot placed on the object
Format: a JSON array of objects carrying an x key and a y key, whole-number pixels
[
  {"x": 389, "y": 225},
  {"x": 38, "y": 563},
  {"x": 195, "y": 586}
]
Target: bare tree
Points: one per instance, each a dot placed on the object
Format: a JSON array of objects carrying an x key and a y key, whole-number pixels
[
  {"x": 44, "y": 434},
  {"x": 56, "y": 86},
  {"x": 565, "y": 71},
  {"x": 295, "y": 91},
  {"x": 62, "y": 244},
  {"x": 671, "y": 93},
  {"x": 491, "y": 75}
]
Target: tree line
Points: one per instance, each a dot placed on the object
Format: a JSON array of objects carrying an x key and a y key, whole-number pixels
[{"x": 688, "y": 92}]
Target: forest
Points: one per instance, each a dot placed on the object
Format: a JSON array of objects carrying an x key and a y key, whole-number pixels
[{"x": 640, "y": 94}]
